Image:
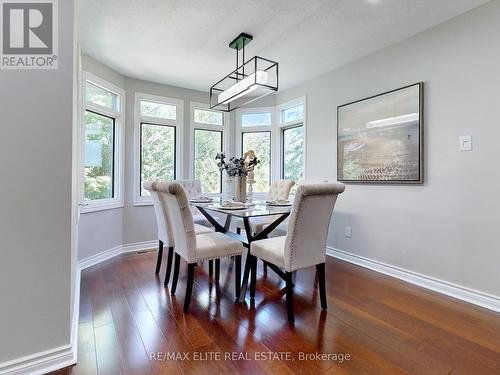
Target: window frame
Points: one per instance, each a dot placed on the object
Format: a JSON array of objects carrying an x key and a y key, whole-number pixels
[
  {"x": 177, "y": 124},
  {"x": 282, "y": 126},
  {"x": 240, "y": 130},
  {"x": 118, "y": 115},
  {"x": 224, "y": 128}
]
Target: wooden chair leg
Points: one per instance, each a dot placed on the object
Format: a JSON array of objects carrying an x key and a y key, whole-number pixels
[
  {"x": 289, "y": 297},
  {"x": 253, "y": 276},
  {"x": 189, "y": 286},
  {"x": 169, "y": 265},
  {"x": 210, "y": 268},
  {"x": 322, "y": 287},
  {"x": 176, "y": 273},
  {"x": 217, "y": 269},
  {"x": 237, "y": 275},
  {"x": 160, "y": 256}
]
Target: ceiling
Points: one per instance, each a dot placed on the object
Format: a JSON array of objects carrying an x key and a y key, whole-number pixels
[{"x": 185, "y": 42}]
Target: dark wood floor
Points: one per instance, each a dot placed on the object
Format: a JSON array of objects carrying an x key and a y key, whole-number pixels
[{"x": 385, "y": 325}]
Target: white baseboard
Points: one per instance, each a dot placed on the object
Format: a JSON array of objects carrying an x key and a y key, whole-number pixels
[
  {"x": 117, "y": 250},
  {"x": 475, "y": 297},
  {"x": 53, "y": 359},
  {"x": 39, "y": 363}
]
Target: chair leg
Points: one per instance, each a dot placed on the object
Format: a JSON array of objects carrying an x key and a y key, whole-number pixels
[
  {"x": 176, "y": 273},
  {"x": 189, "y": 286},
  {"x": 238, "y": 230},
  {"x": 289, "y": 297},
  {"x": 217, "y": 269},
  {"x": 253, "y": 276},
  {"x": 322, "y": 287},
  {"x": 265, "y": 267},
  {"x": 160, "y": 256},
  {"x": 169, "y": 265},
  {"x": 237, "y": 275},
  {"x": 210, "y": 268}
]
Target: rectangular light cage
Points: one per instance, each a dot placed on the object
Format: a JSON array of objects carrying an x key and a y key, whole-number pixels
[{"x": 253, "y": 80}]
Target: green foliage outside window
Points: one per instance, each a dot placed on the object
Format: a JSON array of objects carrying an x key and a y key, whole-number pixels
[
  {"x": 157, "y": 154},
  {"x": 293, "y": 153},
  {"x": 207, "y": 143},
  {"x": 99, "y": 136},
  {"x": 260, "y": 142}
]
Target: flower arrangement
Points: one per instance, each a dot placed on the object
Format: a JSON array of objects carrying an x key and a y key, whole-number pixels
[{"x": 237, "y": 167}]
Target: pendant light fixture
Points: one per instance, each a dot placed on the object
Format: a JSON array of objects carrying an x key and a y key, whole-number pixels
[{"x": 251, "y": 80}]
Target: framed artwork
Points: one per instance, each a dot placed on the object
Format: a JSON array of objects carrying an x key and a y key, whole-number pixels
[{"x": 380, "y": 138}]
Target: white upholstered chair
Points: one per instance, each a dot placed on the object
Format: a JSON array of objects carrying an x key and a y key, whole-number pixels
[
  {"x": 305, "y": 242},
  {"x": 165, "y": 235},
  {"x": 191, "y": 246},
  {"x": 193, "y": 190},
  {"x": 279, "y": 189}
]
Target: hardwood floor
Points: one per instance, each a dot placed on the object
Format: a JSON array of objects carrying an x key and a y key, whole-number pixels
[{"x": 129, "y": 322}]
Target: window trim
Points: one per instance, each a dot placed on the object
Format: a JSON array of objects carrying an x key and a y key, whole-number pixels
[
  {"x": 224, "y": 128},
  {"x": 253, "y": 129},
  {"x": 280, "y": 127},
  {"x": 118, "y": 145},
  {"x": 138, "y": 121}
]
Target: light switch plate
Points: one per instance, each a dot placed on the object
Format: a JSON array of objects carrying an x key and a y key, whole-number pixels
[
  {"x": 465, "y": 143},
  {"x": 348, "y": 232}
]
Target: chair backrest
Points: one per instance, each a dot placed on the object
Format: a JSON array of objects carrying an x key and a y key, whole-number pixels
[
  {"x": 164, "y": 230},
  {"x": 310, "y": 217},
  {"x": 191, "y": 187},
  {"x": 280, "y": 189},
  {"x": 175, "y": 203}
]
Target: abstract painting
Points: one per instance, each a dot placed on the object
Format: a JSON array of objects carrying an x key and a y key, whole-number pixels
[{"x": 380, "y": 139}]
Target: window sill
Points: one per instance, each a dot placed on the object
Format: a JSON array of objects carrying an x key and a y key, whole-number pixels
[{"x": 100, "y": 207}]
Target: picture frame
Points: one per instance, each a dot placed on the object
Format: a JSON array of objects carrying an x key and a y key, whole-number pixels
[{"x": 380, "y": 138}]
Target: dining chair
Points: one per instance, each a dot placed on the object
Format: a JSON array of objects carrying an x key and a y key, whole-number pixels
[
  {"x": 165, "y": 235},
  {"x": 193, "y": 190},
  {"x": 279, "y": 189},
  {"x": 193, "y": 247},
  {"x": 305, "y": 243}
]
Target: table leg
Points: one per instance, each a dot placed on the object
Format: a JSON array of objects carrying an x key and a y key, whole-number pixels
[{"x": 250, "y": 237}]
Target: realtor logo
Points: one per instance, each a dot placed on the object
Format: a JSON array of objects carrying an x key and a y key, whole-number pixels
[{"x": 29, "y": 34}]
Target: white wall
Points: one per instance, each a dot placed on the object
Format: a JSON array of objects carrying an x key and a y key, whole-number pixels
[
  {"x": 446, "y": 228},
  {"x": 35, "y": 202}
]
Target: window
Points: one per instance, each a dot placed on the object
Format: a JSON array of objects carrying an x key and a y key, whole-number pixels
[
  {"x": 292, "y": 114},
  {"x": 158, "y": 110},
  {"x": 157, "y": 154},
  {"x": 293, "y": 156},
  {"x": 260, "y": 142},
  {"x": 158, "y": 129},
  {"x": 100, "y": 96},
  {"x": 99, "y": 156},
  {"x": 256, "y": 119},
  {"x": 292, "y": 139},
  {"x": 208, "y": 138},
  {"x": 102, "y": 145},
  {"x": 254, "y": 127},
  {"x": 208, "y": 117},
  {"x": 207, "y": 143}
]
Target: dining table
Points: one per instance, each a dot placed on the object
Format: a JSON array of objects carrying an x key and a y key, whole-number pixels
[{"x": 210, "y": 211}]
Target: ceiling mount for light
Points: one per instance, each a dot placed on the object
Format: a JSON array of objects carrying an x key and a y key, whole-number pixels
[{"x": 251, "y": 80}]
